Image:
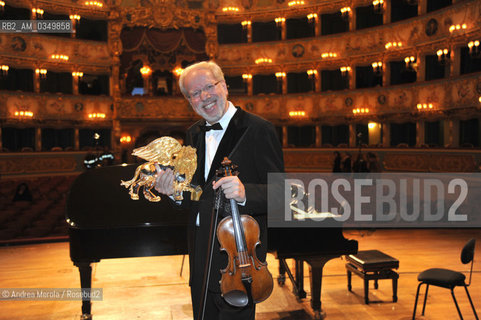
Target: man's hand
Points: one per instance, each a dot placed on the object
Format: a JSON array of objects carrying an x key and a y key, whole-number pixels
[
  {"x": 232, "y": 187},
  {"x": 164, "y": 183}
]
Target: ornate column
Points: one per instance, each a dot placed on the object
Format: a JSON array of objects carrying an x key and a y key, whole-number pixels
[
  {"x": 210, "y": 29},
  {"x": 38, "y": 139},
  {"x": 385, "y": 73},
  {"x": 421, "y": 72},
  {"x": 250, "y": 87},
  {"x": 422, "y": 7},
  {"x": 352, "y": 135},
  {"x": 317, "y": 26},
  {"x": 420, "y": 133},
  {"x": 386, "y": 135},
  {"x": 351, "y": 74},
  {"x": 249, "y": 33},
  {"x": 76, "y": 139},
  {"x": 75, "y": 85},
  {"x": 318, "y": 136},
  {"x": 455, "y": 58},
  {"x": 36, "y": 82},
  {"x": 451, "y": 133},
  {"x": 284, "y": 136},
  {"x": 283, "y": 29},
  {"x": 386, "y": 16},
  {"x": 115, "y": 47},
  {"x": 352, "y": 19}
]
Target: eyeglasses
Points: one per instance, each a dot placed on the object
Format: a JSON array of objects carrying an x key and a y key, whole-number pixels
[{"x": 208, "y": 88}]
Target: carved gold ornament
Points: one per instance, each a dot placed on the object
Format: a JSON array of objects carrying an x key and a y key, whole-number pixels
[{"x": 166, "y": 152}]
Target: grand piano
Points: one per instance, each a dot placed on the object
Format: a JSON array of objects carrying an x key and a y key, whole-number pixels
[{"x": 104, "y": 223}]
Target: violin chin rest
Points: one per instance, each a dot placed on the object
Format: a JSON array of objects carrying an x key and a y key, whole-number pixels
[{"x": 236, "y": 298}]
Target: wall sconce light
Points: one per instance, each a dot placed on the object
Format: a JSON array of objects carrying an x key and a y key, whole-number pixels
[
  {"x": 279, "y": 21},
  {"x": 263, "y": 60},
  {"x": 411, "y": 63},
  {"x": 4, "y": 70},
  {"x": 443, "y": 56},
  {"x": 377, "y": 67},
  {"x": 280, "y": 75},
  {"x": 311, "y": 73},
  {"x": 345, "y": 70},
  {"x": 373, "y": 125},
  {"x": 360, "y": 111},
  {"x": 38, "y": 12},
  {"x": 393, "y": 45},
  {"x": 378, "y": 5},
  {"x": 74, "y": 17},
  {"x": 23, "y": 114},
  {"x": 96, "y": 115},
  {"x": 246, "y": 23},
  {"x": 474, "y": 49},
  {"x": 77, "y": 74},
  {"x": 325, "y": 55},
  {"x": 42, "y": 73},
  {"x": 312, "y": 17},
  {"x": 94, "y": 4},
  {"x": 126, "y": 139},
  {"x": 246, "y": 76},
  {"x": 230, "y": 9},
  {"x": 59, "y": 57},
  {"x": 457, "y": 27},
  {"x": 297, "y": 114},
  {"x": 2, "y": 6},
  {"x": 178, "y": 71},
  {"x": 145, "y": 71},
  {"x": 295, "y": 3},
  {"x": 345, "y": 12},
  {"x": 424, "y": 106}
]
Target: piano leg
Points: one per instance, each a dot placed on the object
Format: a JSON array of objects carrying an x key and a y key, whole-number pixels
[
  {"x": 281, "y": 279},
  {"x": 85, "y": 270},
  {"x": 300, "y": 292},
  {"x": 316, "y": 266}
]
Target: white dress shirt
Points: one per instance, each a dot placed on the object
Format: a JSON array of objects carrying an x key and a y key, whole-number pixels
[{"x": 212, "y": 141}]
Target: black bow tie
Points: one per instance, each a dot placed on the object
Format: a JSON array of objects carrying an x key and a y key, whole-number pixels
[{"x": 215, "y": 126}]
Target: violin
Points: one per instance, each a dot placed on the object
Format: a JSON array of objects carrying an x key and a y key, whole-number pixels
[{"x": 245, "y": 276}]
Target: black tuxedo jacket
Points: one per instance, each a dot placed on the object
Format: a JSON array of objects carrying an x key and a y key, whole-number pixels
[{"x": 251, "y": 143}]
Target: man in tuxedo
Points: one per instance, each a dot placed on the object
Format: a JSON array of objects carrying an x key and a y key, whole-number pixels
[{"x": 251, "y": 143}]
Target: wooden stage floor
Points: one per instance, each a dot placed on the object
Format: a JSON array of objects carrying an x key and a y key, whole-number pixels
[{"x": 152, "y": 288}]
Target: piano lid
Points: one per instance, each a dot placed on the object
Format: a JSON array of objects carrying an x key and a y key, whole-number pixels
[{"x": 97, "y": 200}]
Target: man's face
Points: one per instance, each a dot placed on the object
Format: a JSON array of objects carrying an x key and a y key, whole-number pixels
[{"x": 207, "y": 96}]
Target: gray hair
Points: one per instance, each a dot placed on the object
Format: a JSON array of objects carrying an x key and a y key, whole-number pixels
[{"x": 206, "y": 65}]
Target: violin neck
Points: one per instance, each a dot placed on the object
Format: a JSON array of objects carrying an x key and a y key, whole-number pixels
[{"x": 238, "y": 228}]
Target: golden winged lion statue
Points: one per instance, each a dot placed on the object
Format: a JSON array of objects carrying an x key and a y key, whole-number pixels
[{"x": 166, "y": 152}]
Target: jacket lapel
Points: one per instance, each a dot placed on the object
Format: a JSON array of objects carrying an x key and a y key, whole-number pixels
[{"x": 198, "y": 142}]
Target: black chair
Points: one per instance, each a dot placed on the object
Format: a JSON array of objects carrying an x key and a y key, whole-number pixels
[{"x": 448, "y": 279}]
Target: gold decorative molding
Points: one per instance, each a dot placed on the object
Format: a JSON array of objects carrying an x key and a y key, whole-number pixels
[
  {"x": 360, "y": 47},
  {"x": 54, "y": 107},
  {"x": 392, "y": 160},
  {"x": 156, "y": 109},
  {"x": 429, "y": 162},
  {"x": 296, "y": 160},
  {"x": 35, "y": 164},
  {"x": 32, "y": 50},
  {"x": 67, "y": 7}
]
